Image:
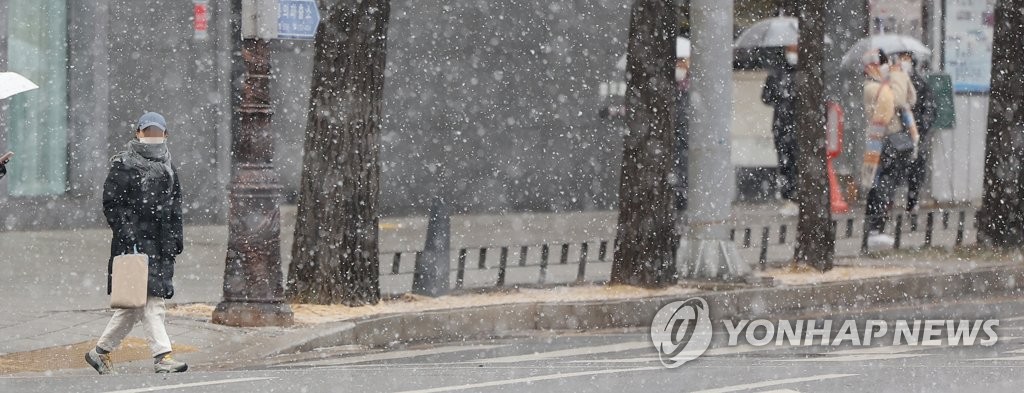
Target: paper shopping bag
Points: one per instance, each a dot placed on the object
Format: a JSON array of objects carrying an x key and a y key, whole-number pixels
[{"x": 129, "y": 280}]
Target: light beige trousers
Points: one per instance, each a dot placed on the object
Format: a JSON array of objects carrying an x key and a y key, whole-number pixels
[{"x": 152, "y": 318}]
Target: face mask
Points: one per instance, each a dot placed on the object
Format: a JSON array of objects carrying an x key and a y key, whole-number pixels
[
  {"x": 153, "y": 140},
  {"x": 792, "y": 58},
  {"x": 884, "y": 69},
  {"x": 907, "y": 66},
  {"x": 680, "y": 74}
]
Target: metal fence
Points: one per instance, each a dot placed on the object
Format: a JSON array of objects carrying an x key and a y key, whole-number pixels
[{"x": 499, "y": 265}]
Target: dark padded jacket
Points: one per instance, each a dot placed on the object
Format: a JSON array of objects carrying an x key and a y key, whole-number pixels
[{"x": 147, "y": 218}]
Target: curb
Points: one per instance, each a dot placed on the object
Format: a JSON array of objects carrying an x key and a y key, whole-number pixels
[{"x": 752, "y": 303}]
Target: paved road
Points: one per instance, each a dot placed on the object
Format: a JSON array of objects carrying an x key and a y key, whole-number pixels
[{"x": 615, "y": 361}]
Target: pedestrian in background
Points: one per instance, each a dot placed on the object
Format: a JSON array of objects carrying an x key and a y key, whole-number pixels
[
  {"x": 681, "y": 162},
  {"x": 3, "y": 163},
  {"x": 142, "y": 204},
  {"x": 778, "y": 92},
  {"x": 888, "y": 149},
  {"x": 924, "y": 111}
]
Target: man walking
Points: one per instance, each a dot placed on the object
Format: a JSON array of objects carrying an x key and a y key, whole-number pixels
[{"x": 142, "y": 204}]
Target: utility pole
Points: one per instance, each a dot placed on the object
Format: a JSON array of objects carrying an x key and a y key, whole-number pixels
[
  {"x": 253, "y": 282},
  {"x": 712, "y": 176}
]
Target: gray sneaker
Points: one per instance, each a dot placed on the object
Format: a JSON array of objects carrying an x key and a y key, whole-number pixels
[
  {"x": 169, "y": 365},
  {"x": 100, "y": 362}
]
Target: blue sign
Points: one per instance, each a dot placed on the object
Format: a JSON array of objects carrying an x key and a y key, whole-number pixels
[{"x": 297, "y": 19}]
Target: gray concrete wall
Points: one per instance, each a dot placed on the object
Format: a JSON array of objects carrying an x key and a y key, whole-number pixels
[
  {"x": 511, "y": 89},
  {"x": 504, "y": 94},
  {"x": 156, "y": 65}
]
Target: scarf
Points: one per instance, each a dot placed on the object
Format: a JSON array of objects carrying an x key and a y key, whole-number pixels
[{"x": 152, "y": 160}]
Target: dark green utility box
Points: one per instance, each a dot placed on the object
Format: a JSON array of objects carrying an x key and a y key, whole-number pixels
[{"x": 945, "y": 111}]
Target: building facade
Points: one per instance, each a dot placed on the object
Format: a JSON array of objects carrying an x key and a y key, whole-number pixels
[{"x": 502, "y": 96}]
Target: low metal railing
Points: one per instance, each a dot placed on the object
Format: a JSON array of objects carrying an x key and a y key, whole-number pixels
[{"x": 771, "y": 236}]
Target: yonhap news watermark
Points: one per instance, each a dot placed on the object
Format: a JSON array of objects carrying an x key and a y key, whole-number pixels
[{"x": 682, "y": 331}]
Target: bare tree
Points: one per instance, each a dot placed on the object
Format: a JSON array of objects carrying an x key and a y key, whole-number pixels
[
  {"x": 816, "y": 238},
  {"x": 1001, "y": 217},
  {"x": 335, "y": 257},
  {"x": 646, "y": 229}
]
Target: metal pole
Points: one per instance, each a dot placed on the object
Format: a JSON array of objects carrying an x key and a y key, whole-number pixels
[
  {"x": 712, "y": 254},
  {"x": 253, "y": 281}
]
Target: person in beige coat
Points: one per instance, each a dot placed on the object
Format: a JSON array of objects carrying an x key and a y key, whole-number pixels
[
  {"x": 903, "y": 91},
  {"x": 885, "y": 166}
]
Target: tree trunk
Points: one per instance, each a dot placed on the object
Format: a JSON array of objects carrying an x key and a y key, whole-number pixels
[
  {"x": 816, "y": 238},
  {"x": 1001, "y": 217},
  {"x": 335, "y": 257},
  {"x": 646, "y": 230}
]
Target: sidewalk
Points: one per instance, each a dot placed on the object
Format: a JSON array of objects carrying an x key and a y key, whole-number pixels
[{"x": 56, "y": 282}]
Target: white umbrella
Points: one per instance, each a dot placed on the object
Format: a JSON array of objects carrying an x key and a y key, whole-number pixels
[
  {"x": 888, "y": 43},
  {"x": 12, "y": 83},
  {"x": 682, "y": 48},
  {"x": 771, "y": 32},
  {"x": 682, "y": 51}
]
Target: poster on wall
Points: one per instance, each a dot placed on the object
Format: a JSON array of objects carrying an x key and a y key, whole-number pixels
[
  {"x": 968, "y": 51},
  {"x": 896, "y": 17}
]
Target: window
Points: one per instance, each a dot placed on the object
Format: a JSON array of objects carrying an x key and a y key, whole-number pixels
[{"x": 38, "y": 120}]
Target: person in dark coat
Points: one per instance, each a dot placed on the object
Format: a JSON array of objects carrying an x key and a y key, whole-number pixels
[
  {"x": 142, "y": 204},
  {"x": 778, "y": 92},
  {"x": 924, "y": 115}
]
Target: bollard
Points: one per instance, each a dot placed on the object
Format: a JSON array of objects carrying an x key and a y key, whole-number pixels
[
  {"x": 564, "y": 258},
  {"x": 849, "y": 228},
  {"x": 675, "y": 249},
  {"x": 522, "y": 255},
  {"x": 960, "y": 228},
  {"x": 602, "y": 250},
  {"x": 396, "y": 262},
  {"x": 502, "y": 266},
  {"x": 864, "y": 238},
  {"x": 543, "y": 264},
  {"x": 763, "y": 258},
  {"x": 782, "y": 234},
  {"x": 482, "y": 263},
  {"x": 581, "y": 273},
  {"x": 899, "y": 232},
  {"x": 929, "y": 228},
  {"x": 460, "y": 274},
  {"x": 433, "y": 264},
  {"x": 746, "y": 238}
]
